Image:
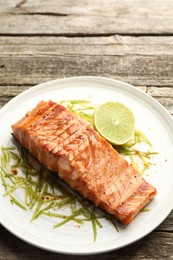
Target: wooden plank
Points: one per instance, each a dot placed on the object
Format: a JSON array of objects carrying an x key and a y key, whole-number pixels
[
  {"x": 165, "y": 92},
  {"x": 137, "y": 60},
  {"x": 12, "y": 91},
  {"x": 9, "y": 92},
  {"x": 86, "y": 17},
  {"x": 135, "y": 70},
  {"x": 111, "y": 45}
]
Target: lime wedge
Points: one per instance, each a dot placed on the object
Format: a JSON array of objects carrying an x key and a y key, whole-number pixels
[{"x": 115, "y": 122}]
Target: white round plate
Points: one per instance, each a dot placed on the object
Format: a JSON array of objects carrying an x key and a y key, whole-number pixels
[{"x": 150, "y": 117}]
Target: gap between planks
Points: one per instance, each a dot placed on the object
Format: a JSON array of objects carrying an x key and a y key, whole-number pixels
[{"x": 83, "y": 35}]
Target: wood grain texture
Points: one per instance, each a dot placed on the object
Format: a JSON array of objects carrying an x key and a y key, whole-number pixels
[
  {"x": 135, "y": 70},
  {"x": 104, "y": 45},
  {"x": 86, "y": 17},
  {"x": 137, "y": 60}
]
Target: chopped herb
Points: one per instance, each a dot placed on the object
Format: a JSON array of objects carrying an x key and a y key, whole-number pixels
[
  {"x": 68, "y": 218},
  {"x": 145, "y": 210},
  {"x": 39, "y": 202},
  {"x": 93, "y": 219},
  {"x": 82, "y": 108},
  {"x": 113, "y": 221},
  {"x": 13, "y": 200}
]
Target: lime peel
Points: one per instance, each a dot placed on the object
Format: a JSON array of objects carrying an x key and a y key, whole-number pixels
[{"x": 115, "y": 122}]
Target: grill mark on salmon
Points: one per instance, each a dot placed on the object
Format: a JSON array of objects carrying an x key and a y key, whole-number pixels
[
  {"x": 68, "y": 140},
  {"x": 99, "y": 188},
  {"x": 67, "y": 145},
  {"x": 99, "y": 172},
  {"x": 63, "y": 135},
  {"x": 60, "y": 138},
  {"x": 97, "y": 177},
  {"x": 57, "y": 134}
]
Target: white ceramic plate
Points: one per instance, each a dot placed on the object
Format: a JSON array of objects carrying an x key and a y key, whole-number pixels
[{"x": 151, "y": 118}]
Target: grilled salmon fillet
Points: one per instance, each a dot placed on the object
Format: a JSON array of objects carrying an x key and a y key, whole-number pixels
[{"x": 70, "y": 147}]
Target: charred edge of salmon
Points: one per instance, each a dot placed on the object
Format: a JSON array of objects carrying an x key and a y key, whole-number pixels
[
  {"x": 141, "y": 192},
  {"x": 91, "y": 184}
]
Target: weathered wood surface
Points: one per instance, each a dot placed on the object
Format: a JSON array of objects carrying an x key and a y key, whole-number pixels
[
  {"x": 86, "y": 17},
  {"x": 128, "y": 40},
  {"x": 137, "y": 60}
]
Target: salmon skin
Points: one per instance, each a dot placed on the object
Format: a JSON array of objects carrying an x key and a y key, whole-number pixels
[{"x": 70, "y": 147}]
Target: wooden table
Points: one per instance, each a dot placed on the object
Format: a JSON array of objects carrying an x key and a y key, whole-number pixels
[{"x": 128, "y": 40}]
